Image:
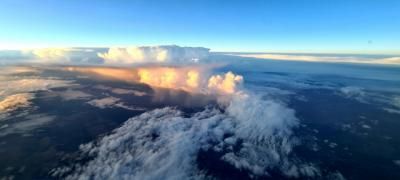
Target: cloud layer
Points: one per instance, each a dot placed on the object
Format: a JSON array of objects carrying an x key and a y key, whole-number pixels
[
  {"x": 324, "y": 58},
  {"x": 154, "y": 54},
  {"x": 165, "y": 143},
  {"x": 17, "y": 91},
  {"x": 12, "y": 102}
]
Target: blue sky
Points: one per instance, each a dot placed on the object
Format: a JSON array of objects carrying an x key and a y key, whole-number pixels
[{"x": 340, "y": 26}]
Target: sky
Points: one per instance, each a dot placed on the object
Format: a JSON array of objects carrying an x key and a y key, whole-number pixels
[{"x": 340, "y": 26}]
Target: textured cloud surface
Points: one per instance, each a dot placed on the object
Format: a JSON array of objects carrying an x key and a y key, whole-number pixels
[
  {"x": 154, "y": 54},
  {"x": 165, "y": 144}
]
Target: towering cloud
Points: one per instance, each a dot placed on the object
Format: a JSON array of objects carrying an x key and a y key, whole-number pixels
[
  {"x": 154, "y": 54},
  {"x": 225, "y": 84},
  {"x": 246, "y": 132}
]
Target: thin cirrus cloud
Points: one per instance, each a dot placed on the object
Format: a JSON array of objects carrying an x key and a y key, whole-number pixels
[{"x": 324, "y": 58}]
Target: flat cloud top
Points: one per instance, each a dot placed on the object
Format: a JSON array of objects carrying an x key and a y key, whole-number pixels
[
  {"x": 154, "y": 54},
  {"x": 112, "y": 55},
  {"x": 167, "y": 54},
  {"x": 323, "y": 58}
]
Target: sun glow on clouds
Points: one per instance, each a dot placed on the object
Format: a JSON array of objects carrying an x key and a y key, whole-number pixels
[
  {"x": 262, "y": 129},
  {"x": 11, "y": 103},
  {"x": 51, "y": 54},
  {"x": 191, "y": 79},
  {"x": 17, "y": 91}
]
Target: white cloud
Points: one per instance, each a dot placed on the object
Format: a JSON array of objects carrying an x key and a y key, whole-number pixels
[
  {"x": 30, "y": 123},
  {"x": 154, "y": 54},
  {"x": 111, "y": 102},
  {"x": 164, "y": 143},
  {"x": 352, "y": 91},
  {"x": 128, "y": 91},
  {"x": 226, "y": 84},
  {"x": 112, "y": 55},
  {"x": 73, "y": 95},
  {"x": 53, "y": 54},
  {"x": 390, "y": 110},
  {"x": 104, "y": 102},
  {"x": 324, "y": 58},
  {"x": 59, "y": 55},
  {"x": 391, "y": 103}
]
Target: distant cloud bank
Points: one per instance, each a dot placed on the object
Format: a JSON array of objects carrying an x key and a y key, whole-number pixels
[
  {"x": 170, "y": 54},
  {"x": 166, "y": 54},
  {"x": 323, "y": 58}
]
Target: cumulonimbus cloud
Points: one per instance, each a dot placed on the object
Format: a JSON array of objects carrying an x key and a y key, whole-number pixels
[
  {"x": 154, "y": 54},
  {"x": 165, "y": 143},
  {"x": 196, "y": 79}
]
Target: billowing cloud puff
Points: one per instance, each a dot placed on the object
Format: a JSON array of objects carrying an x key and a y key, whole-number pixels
[
  {"x": 252, "y": 135},
  {"x": 225, "y": 84},
  {"x": 154, "y": 54}
]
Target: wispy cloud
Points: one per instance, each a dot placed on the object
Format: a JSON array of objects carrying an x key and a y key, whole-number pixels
[
  {"x": 324, "y": 58},
  {"x": 165, "y": 143},
  {"x": 112, "y": 102},
  {"x": 13, "y": 102},
  {"x": 30, "y": 123},
  {"x": 17, "y": 91}
]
